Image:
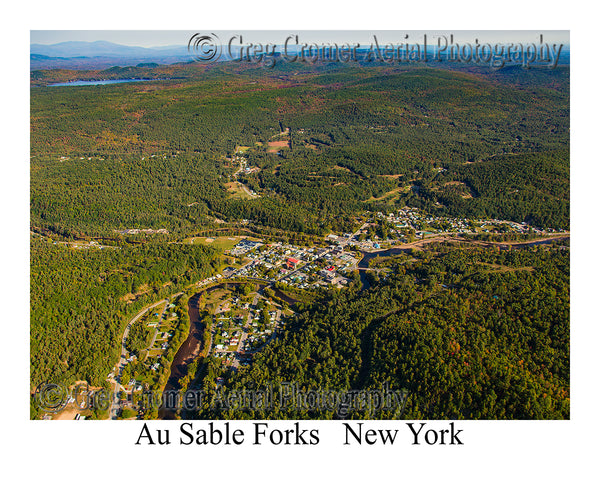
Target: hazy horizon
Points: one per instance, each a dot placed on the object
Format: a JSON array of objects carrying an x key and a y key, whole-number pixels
[{"x": 174, "y": 38}]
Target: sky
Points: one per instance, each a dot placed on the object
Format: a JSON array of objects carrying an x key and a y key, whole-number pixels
[{"x": 158, "y": 38}]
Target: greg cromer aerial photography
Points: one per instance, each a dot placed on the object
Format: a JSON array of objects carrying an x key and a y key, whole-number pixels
[{"x": 300, "y": 225}]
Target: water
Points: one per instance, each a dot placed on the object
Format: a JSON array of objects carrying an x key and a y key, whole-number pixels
[
  {"x": 190, "y": 349},
  {"x": 187, "y": 353},
  {"x": 81, "y": 83},
  {"x": 367, "y": 256},
  {"x": 282, "y": 296}
]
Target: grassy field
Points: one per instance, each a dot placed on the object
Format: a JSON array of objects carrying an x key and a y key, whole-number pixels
[
  {"x": 237, "y": 191},
  {"x": 224, "y": 243},
  {"x": 215, "y": 298},
  {"x": 390, "y": 196}
]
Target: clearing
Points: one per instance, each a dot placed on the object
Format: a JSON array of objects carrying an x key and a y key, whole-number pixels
[
  {"x": 239, "y": 191},
  {"x": 496, "y": 268},
  {"x": 274, "y": 147},
  {"x": 463, "y": 189},
  {"x": 389, "y": 196},
  {"x": 223, "y": 243}
]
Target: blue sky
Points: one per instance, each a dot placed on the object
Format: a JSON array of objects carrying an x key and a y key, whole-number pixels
[{"x": 156, "y": 38}]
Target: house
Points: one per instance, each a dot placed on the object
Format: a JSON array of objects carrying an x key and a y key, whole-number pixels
[{"x": 292, "y": 263}]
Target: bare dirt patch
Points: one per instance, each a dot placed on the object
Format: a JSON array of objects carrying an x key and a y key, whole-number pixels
[
  {"x": 387, "y": 195},
  {"x": 397, "y": 175},
  {"x": 344, "y": 169},
  {"x": 68, "y": 413},
  {"x": 277, "y": 145}
]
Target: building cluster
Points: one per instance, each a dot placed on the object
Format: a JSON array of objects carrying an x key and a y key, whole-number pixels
[
  {"x": 244, "y": 247},
  {"x": 241, "y": 328},
  {"x": 303, "y": 267},
  {"x": 421, "y": 223},
  {"x": 148, "y": 231}
]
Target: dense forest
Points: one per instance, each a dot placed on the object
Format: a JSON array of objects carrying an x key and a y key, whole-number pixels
[
  {"x": 81, "y": 300},
  {"x": 468, "y": 333},
  {"x": 155, "y": 154}
]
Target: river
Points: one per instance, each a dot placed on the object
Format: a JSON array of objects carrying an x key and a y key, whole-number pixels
[
  {"x": 190, "y": 349},
  {"x": 188, "y": 352},
  {"x": 367, "y": 256},
  {"x": 282, "y": 296}
]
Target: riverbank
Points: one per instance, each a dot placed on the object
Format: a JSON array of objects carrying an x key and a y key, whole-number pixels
[{"x": 363, "y": 264}]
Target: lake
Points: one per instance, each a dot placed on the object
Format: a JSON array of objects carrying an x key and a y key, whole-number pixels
[{"x": 81, "y": 83}]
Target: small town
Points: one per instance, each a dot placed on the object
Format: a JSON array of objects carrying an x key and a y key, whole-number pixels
[{"x": 243, "y": 322}]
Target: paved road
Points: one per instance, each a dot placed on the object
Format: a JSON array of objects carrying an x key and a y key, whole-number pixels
[
  {"x": 118, "y": 368},
  {"x": 245, "y": 327},
  {"x": 160, "y": 319}
]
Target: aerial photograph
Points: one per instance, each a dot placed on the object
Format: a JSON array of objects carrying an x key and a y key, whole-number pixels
[{"x": 299, "y": 225}]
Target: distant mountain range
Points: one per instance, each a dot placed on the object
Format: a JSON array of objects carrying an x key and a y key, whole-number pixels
[
  {"x": 103, "y": 49},
  {"x": 99, "y": 54}
]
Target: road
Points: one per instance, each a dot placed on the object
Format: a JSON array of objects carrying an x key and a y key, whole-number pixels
[
  {"x": 244, "y": 335},
  {"x": 160, "y": 319},
  {"x": 342, "y": 243},
  {"x": 118, "y": 368}
]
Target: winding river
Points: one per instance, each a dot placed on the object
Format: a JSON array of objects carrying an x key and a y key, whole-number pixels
[
  {"x": 188, "y": 352},
  {"x": 190, "y": 349},
  {"x": 367, "y": 256}
]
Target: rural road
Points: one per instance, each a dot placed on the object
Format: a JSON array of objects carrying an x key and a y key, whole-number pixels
[{"x": 114, "y": 407}]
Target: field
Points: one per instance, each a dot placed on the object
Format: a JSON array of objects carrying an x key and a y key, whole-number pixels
[
  {"x": 434, "y": 133},
  {"x": 277, "y": 145},
  {"x": 238, "y": 191},
  {"x": 222, "y": 243}
]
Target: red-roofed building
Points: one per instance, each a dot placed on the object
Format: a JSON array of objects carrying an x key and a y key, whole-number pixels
[{"x": 292, "y": 263}]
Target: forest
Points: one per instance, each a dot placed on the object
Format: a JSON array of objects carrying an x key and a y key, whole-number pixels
[
  {"x": 468, "y": 333},
  {"x": 81, "y": 300},
  {"x": 157, "y": 154}
]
